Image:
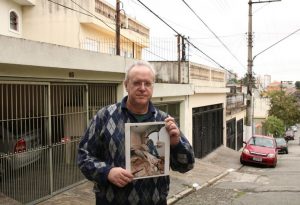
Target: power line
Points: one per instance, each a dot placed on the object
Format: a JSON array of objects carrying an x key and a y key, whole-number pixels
[
  {"x": 276, "y": 43},
  {"x": 214, "y": 34},
  {"x": 183, "y": 37}
]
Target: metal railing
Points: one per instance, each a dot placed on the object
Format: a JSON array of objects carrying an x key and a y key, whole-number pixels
[{"x": 40, "y": 128}]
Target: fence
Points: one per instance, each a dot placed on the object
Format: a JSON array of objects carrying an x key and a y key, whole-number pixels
[{"x": 40, "y": 128}]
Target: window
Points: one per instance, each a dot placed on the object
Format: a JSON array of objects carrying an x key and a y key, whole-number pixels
[
  {"x": 172, "y": 109},
  {"x": 14, "y": 21}
]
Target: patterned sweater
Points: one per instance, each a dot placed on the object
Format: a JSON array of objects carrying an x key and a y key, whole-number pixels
[{"x": 103, "y": 147}]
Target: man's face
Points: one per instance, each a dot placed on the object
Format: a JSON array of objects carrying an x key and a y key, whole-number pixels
[{"x": 140, "y": 85}]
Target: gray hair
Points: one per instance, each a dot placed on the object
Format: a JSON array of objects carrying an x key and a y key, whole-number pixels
[{"x": 140, "y": 63}]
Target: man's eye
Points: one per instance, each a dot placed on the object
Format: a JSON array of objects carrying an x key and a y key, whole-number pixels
[{"x": 136, "y": 83}]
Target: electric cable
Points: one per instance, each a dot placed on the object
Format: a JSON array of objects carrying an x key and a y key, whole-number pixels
[
  {"x": 225, "y": 46},
  {"x": 184, "y": 37}
]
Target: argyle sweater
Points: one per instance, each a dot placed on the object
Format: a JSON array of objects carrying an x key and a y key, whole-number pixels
[{"x": 103, "y": 147}]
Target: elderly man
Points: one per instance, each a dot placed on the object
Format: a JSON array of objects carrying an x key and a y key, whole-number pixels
[{"x": 101, "y": 154}]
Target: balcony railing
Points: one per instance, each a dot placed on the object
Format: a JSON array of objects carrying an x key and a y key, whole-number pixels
[
  {"x": 235, "y": 103},
  {"x": 206, "y": 76},
  {"x": 126, "y": 22}
]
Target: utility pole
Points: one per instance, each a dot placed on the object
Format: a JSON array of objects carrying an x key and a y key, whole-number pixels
[
  {"x": 249, "y": 101},
  {"x": 118, "y": 27},
  {"x": 249, "y": 111}
]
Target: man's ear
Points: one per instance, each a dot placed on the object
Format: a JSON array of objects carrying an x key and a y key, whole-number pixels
[{"x": 125, "y": 85}]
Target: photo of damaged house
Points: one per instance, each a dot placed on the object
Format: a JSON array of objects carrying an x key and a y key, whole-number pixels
[{"x": 147, "y": 149}]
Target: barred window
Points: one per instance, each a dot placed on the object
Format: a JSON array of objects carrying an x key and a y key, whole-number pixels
[{"x": 14, "y": 21}]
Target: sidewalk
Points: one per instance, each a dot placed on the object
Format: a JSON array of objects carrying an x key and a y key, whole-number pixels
[{"x": 206, "y": 171}]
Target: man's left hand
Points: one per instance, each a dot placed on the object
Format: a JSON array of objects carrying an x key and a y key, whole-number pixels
[{"x": 173, "y": 130}]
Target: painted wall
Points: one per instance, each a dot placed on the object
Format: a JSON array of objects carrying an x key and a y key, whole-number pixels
[
  {"x": 51, "y": 23},
  {"x": 5, "y": 7}
]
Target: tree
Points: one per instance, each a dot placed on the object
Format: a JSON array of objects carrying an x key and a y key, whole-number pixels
[
  {"x": 274, "y": 126},
  {"x": 284, "y": 107},
  {"x": 297, "y": 84},
  {"x": 244, "y": 80}
]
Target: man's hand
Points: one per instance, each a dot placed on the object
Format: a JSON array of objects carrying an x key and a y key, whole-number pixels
[
  {"x": 173, "y": 131},
  {"x": 119, "y": 176}
]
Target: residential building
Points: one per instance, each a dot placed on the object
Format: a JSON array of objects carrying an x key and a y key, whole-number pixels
[
  {"x": 261, "y": 106},
  {"x": 274, "y": 86},
  {"x": 235, "y": 116},
  {"x": 81, "y": 24},
  {"x": 267, "y": 81}
]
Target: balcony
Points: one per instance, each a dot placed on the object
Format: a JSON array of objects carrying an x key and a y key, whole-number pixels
[
  {"x": 235, "y": 103},
  {"x": 105, "y": 22},
  {"x": 171, "y": 72},
  {"x": 126, "y": 22},
  {"x": 205, "y": 76},
  {"x": 202, "y": 78}
]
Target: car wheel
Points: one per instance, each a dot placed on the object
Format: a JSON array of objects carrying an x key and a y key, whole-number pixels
[
  {"x": 287, "y": 151},
  {"x": 242, "y": 162}
]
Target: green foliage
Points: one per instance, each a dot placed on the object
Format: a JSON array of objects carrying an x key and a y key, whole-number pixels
[
  {"x": 274, "y": 126},
  {"x": 244, "y": 80},
  {"x": 233, "y": 81},
  {"x": 297, "y": 84},
  {"x": 284, "y": 107}
]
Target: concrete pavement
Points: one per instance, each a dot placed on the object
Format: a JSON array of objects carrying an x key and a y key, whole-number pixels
[{"x": 206, "y": 171}]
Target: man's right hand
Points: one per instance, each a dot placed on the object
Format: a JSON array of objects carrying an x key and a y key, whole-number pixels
[{"x": 119, "y": 176}]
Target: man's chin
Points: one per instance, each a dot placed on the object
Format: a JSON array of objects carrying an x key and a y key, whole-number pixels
[{"x": 142, "y": 101}]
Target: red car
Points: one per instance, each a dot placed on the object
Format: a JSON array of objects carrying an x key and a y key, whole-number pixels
[{"x": 260, "y": 150}]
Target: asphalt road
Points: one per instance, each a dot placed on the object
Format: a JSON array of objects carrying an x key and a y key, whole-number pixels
[{"x": 256, "y": 184}]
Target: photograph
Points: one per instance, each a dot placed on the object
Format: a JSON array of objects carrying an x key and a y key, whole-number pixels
[{"x": 147, "y": 147}]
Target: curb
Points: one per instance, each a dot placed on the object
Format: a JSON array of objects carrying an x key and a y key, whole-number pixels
[{"x": 196, "y": 187}]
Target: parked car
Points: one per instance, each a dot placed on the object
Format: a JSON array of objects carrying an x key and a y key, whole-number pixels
[
  {"x": 260, "y": 150},
  {"x": 289, "y": 135},
  {"x": 15, "y": 142},
  {"x": 282, "y": 145},
  {"x": 294, "y": 128}
]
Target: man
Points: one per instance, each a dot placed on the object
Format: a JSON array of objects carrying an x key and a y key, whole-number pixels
[{"x": 101, "y": 154}]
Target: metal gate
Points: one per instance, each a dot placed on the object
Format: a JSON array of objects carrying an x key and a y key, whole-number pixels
[
  {"x": 207, "y": 129},
  {"x": 40, "y": 128},
  {"x": 240, "y": 133},
  {"x": 231, "y": 133}
]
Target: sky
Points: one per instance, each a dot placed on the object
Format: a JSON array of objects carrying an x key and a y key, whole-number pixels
[{"x": 228, "y": 19}]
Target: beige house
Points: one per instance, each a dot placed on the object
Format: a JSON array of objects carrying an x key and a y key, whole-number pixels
[
  {"x": 199, "y": 99},
  {"x": 261, "y": 106},
  {"x": 58, "y": 69},
  {"x": 85, "y": 24}
]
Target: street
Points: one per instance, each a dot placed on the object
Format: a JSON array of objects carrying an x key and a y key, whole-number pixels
[{"x": 256, "y": 184}]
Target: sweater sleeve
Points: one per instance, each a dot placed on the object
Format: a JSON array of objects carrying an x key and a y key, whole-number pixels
[
  {"x": 89, "y": 152},
  {"x": 182, "y": 156}
]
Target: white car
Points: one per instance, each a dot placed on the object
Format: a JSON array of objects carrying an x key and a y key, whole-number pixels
[{"x": 294, "y": 128}]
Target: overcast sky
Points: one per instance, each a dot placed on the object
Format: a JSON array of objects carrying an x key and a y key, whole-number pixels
[{"x": 228, "y": 19}]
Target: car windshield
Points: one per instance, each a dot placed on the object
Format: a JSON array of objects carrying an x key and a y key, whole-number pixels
[
  {"x": 261, "y": 141},
  {"x": 280, "y": 141}
]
